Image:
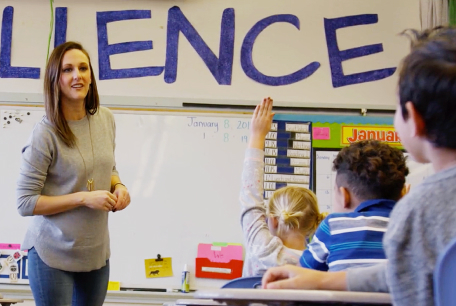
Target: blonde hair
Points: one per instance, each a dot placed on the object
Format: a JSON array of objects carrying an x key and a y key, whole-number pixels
[{"x": 296, "y": 208}]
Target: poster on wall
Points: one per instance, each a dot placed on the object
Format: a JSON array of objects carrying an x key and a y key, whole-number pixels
[
  {"x": 13, "y": 264},
  {"x": 170, "y": 53},
  {"x": 338, "y": 135}
]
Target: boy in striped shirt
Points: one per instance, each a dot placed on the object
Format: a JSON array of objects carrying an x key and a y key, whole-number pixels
[{"x": 370, "y": 179}]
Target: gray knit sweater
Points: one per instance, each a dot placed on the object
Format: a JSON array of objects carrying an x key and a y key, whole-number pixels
[
  {"x": 76, "y": 240},
  {"x": 420, "y": 227}
]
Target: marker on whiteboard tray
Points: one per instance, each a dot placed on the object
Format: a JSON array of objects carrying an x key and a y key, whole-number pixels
[{"x": 185, "y": 287}]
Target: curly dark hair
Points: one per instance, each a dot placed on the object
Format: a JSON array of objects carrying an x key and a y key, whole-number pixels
[
  {"x": 371, "y": 170},
  {"x": 427, "y": 78}
]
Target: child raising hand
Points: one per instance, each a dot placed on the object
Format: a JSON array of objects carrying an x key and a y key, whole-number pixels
[{"x": 274, "y": 235}]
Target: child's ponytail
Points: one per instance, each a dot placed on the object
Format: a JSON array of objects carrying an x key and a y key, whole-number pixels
[{"x": 295, "y": 208}]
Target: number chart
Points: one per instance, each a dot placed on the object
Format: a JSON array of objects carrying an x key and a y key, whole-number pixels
[{"x": 288, "y": 156}]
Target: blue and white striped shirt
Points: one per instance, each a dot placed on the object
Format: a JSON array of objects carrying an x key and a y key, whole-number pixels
[{"x": 345, "y": 240}]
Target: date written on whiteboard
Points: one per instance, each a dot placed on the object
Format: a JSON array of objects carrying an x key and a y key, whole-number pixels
[
  {"x": 196, "y": 122},
  {"x": 226, "y": 137}
]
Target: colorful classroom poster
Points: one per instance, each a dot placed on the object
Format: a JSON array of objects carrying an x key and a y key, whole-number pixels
[
  {"x": 339, "y": 135},
  {"x": 13, "y": 264}
]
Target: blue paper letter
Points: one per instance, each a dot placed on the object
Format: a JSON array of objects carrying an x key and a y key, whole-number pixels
[
  {"x": 336, "y": 57},
  {"x": 105, "y": 50},
  {"x": 221, "y": 67},
  {"x": 6, "y": 71},
  {"x": 60, "y": 26},
  {"x": 247, "y": 61}
]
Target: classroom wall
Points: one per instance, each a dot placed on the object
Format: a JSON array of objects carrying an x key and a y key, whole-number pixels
[
  {"x": 301, "y": 52},
  {"x": 290, "y": 51}
]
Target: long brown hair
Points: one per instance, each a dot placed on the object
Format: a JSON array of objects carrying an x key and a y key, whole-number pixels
[{"x": 52, "y": 102}]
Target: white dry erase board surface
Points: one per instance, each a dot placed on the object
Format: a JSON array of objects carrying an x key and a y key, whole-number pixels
[
  {"x": 304, "y": 53},
  {"x": 183, "y": 171},
  {"x": 325, "y": 177}
]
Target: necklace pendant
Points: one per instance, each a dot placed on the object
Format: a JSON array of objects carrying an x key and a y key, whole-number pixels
[{"x": 90, "y": 185}]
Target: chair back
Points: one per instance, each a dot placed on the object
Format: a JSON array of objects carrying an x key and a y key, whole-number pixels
[
  {"x": 444, "y": 276},
  {"x": 244, "y": 283}
]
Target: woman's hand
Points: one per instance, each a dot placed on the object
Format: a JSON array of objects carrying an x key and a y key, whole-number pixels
[
  {"x": 100, "y": 200},
  {"x": 123, "y": 197}
]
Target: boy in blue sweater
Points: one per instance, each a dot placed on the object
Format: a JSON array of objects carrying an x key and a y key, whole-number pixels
[
  {"x": 370, "y": 178},
  {"x": 423, "y": 222}
]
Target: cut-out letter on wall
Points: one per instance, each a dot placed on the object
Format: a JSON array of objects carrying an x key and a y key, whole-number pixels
[
  {"x": 105, "y": 50},
  {"x": 221, "y": 67},
  {"x": 336, "y": 57},
  {"x": 60, "y": 25},
  {"x": 247, "y": 60},
  {"x": 6, "y": 71}
]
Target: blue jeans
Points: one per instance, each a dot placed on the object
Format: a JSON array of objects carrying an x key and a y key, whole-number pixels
[{"x": 52, "y": 287}]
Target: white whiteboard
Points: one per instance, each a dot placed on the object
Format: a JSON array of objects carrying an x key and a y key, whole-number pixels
[
  {"x": 184, "y": 183},
  {"x": 326, "y": 177}
]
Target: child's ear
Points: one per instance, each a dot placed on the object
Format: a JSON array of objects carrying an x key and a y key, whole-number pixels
[
  {"x": 346, "y": 197},
  {"x": 418, "y": 127},
  {"x": 274, "y": 222}
]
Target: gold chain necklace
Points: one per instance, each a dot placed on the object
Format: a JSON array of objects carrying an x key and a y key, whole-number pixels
[{"x": 90, "y": 182}]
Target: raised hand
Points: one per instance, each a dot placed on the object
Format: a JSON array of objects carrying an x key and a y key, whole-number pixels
[{"x": 261, "y": 123}]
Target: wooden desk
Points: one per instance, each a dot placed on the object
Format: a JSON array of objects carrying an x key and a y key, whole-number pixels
[
  {"x": 8, "y": 302},
  {"x": 293, "y": 297}
]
